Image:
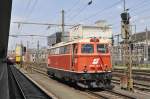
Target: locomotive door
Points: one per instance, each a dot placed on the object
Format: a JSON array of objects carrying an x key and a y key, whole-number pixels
[{"x": 74, "y": 53}]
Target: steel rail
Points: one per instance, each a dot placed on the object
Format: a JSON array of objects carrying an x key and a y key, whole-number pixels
[
  {"x": 136, "y": 85},
  {"x": 41, "y": 94},
  {"x": 91, "y": 92},
  {"x": 97, "y": 95},
  {"x": 120, "y": 94},
  {"x": 103, "y": 95},
  {"x": 23, "y": 95}
]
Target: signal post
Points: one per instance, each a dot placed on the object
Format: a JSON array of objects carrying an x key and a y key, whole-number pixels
[{"x": 127, "y": 57}]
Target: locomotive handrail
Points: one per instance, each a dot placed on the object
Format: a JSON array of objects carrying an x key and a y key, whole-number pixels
[{"x": 102, "y": 63}]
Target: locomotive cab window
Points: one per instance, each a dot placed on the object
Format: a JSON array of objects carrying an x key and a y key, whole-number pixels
[
  {"x": 102, "y": 48},
  {"x": 87, "y": 48}
]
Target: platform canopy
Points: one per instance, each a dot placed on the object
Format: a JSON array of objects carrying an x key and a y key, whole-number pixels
[{"x": 5, "y": 14}]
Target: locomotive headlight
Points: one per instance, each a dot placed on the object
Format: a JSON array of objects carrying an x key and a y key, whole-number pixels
[
  {"x": 106, "y": 67},
  {"x": 85, "y": 69}
]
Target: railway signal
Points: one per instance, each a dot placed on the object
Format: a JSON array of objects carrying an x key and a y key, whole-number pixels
[
  {"x": 125, "y": 31},
  {"x": 125, "y": 27}
]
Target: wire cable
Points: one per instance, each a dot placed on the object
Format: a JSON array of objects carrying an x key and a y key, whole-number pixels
[
  {"x": 77, "y": 14},
  {"x": 80, "y": 11},
  {"x": 74, "y": 6},
  {"x": 28, "y": 5},
  {"x": 32, "y": 8},
  {"x": 139, "y": 5},
  {"x": 102, "y": 10}
]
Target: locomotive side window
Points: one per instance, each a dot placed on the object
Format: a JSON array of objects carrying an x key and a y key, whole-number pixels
[
  {"x": 64, "y": 49},
  {"x": 67, "y": 49},
  {"x": 61, "y": 51},
  {"x": 102, "y": 48},
  {"x": 87, "y": 48}
]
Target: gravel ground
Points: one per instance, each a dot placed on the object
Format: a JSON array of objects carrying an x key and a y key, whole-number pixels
[
  {"x": 136, "y": 93},
  {"x": 61, "y": 91}
]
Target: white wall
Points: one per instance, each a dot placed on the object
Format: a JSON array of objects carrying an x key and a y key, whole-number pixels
[{"x": 90, "y": 31}]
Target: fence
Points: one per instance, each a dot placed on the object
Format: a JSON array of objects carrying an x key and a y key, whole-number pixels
[{"x": 140, "y": 54}]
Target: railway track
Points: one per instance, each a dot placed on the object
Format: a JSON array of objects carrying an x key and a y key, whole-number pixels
[
  {"x": 110, "y": 94},
  {"x": 24, "y": 88},
  {"x": 136, "y": 76},
  {"x": 135, "y": 72},
  {"x": 106, "y": 94},
  {"x": 141, "y": 78},
  {"x": 139, "y": 86}
]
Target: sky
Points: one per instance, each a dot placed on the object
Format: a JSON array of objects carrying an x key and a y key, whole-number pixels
[{"x": 76, "y": 12}]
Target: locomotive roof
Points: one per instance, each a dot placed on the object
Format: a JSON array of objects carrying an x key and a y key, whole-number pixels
[{"x": 102, "y": 40}]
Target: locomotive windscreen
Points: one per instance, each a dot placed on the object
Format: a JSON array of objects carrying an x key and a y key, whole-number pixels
[
  {"x": 102, "y": 48},
  {"x": 87, "y": 48}
]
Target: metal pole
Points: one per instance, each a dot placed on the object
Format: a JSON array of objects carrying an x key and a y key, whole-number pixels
[
  {"x": 146, "y": 34},
  {"x": 63, "y": 29},
  {"x": 27, "y": 45},
  {"x": 124, "y": 5},
  {"x": 27, "y": 52},
  {"x": 129, "y": 63},
  {"x": 135, "y": 31},
  {"x": 127, "y": 50},
  {"x": 118, "y": 39},
  {"x": 38, "y": 47},
  {"x": 130, "y": 80},
  {"x": 21, "y": 57}
]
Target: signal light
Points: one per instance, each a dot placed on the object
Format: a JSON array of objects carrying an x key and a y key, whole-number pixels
[
  {"x": 97, "y": 40},
  {"x": 94, "y": 40},
  {"x": 125, "y": 17}
]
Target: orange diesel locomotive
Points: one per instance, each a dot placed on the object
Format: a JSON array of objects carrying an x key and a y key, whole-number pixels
[{"x": 86, "y": 62}]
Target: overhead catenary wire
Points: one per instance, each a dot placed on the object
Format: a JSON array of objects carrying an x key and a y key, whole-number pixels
[
  {"x": 134, "y": 6},
  {"x": 28, "y": 5},
  {"x": 74, "y": 6},
  {"x": 100, "y": 11},
  {"x": 138, "y": 19},
  {"x": 20, "y": 26},
  {"x": 76, "y": 9},
  {"x": 47, "y": 24},
  {"x": 77, "y": 14},
  {"x": 33, "y": 35},
  {"x": 137, "y": 6},
  {"x": 80, "y": 11},
  {"x": 31, "y": 8}
]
